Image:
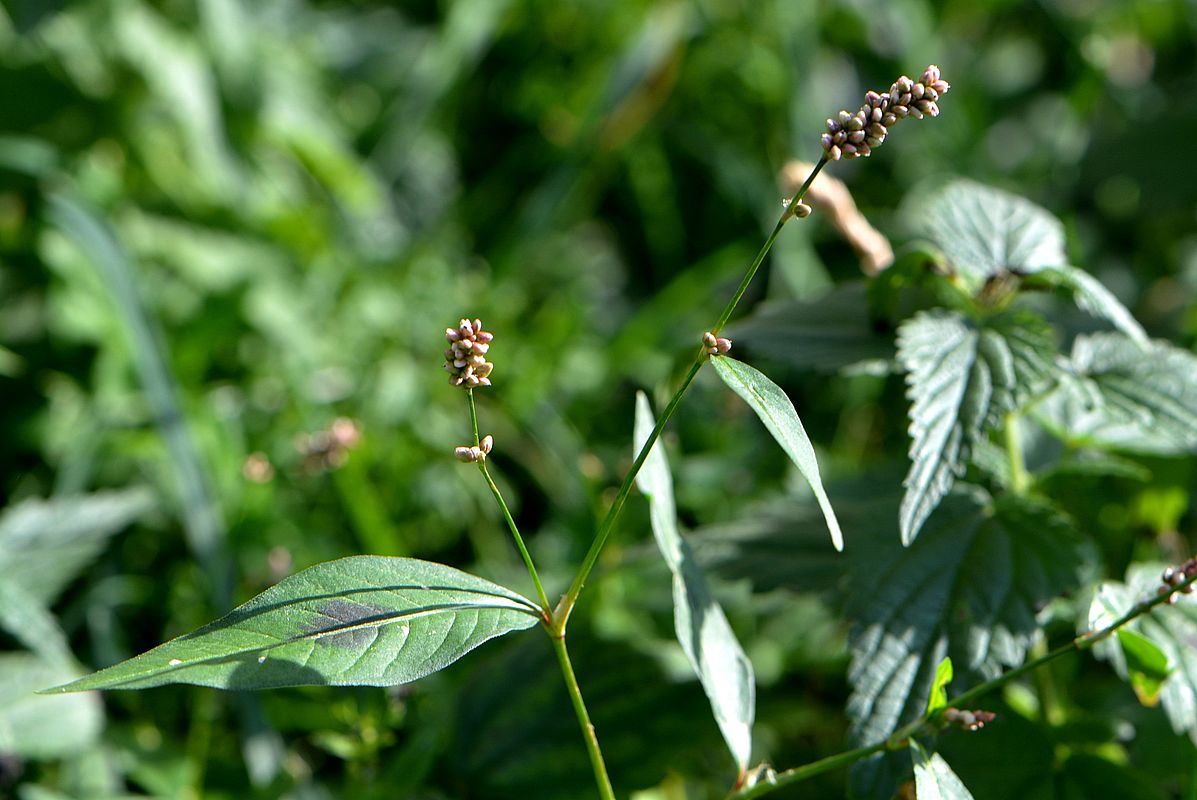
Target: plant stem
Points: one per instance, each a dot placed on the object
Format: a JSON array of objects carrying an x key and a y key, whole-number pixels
[
  {"x": 899, "y": 738},
  {"x": 575, "y": 696},
  {"x": 1020, "y": 479},
  {"x": 565, "y": 607}
]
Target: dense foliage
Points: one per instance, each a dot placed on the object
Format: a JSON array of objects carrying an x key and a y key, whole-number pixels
[{"x": 231, "y": 234}]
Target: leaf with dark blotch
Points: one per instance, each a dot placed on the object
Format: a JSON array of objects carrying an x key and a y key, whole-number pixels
[
  {"x": 359, "y": 621},
  {"x": 961, "y": 379},
  {"x": 781, "y": 419},
  {"x": 702, "y": 628},
  {"x": 933, "y": 778},
  {"x": 1122, "y": 395},
  {"x": 968, "y": 588}
]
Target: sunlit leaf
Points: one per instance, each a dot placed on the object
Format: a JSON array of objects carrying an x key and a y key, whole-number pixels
[
  {"x": 702, "y": 628},
  {"x": 933, "y": 778},
  {"x": 939, "y": 687},
  {"x": 36, "y": 726},
  {"x": 358, "y": 621},
  {"x": 781, "y": 419}
]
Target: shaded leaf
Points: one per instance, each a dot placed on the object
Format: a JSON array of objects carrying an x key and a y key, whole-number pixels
[
  {"x": 961, "y": 379},
  {"x": 969, "y": 589},
  {"x": 780, "y": 417},
  {"x": 1091, "y": 296},
  {"x": 1126, "y": 396},
  {"x": 358, "y": 621},
  {"x": 702, "y": 628},
  {"x": 36, "y": 726},
  {"x": 1146, "y": 664},
  {"x": 933, "y": 778}
]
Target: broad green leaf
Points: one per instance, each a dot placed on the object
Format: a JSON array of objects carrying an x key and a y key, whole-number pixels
[
  {"x": 1091, "y": 296},
  {"x": 984, "y": 232},
  {"x": 829, "y": 332},
  {"x": 702, "y": 628},
  {"x": 358, "y": 621},
  {"x": 36, "y": 726},
  {"x": 1146, "y": 663},
  {"x": 939, "y": 687},
  {"x": 779, "y": 415},
  {"x": 933, "y": 778},
  {"x": 1172, "y": 629},
  {"x": 961, "y": 379},
  {"x": 968, "y": 588},
  {"x": 1125, "y": 396},
  {"x": 46, "y": 543}
]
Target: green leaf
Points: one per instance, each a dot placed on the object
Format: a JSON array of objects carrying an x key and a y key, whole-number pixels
[
  {"x": 1146, "y": 663},
  {"x": 1091, "y": 296},
  {"x": 702, "y": 628},
  {"x": 29, "y": 621},
  {"x": 933, "y": 778},
  {"x": 984, "y": 232},
  {"x": 36, "y": 726},
  {"x": 961, "y": 379},
  {"x": 939, "y": 687},
  {"x": 968, "y": 588},
  {"x": 777, "y": 412},
  {"x": 358, "y": 621},
  {"x": 830, "y": 332},
  {"x": 1171, "y": 629},
  {"x": 1125, "y": 396}
]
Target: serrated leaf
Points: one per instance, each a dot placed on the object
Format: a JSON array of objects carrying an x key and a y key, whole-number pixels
[
  {"x": 702, "y": 628},
  {"x": 830, "y": 332},
  {"x": 1170, "y": 628},
  {"x": 968, "y": 588},
  {"x": 1091, "y": 296},
  {"x": 358, "y": 621},
  {"x": 984, "y": 232},
  {"x": 46, "y": 543},
  {"x": 781, "y": 419},
  {"x": 961, "y": 379},
  {"x": 933, "y": 778},
  {"x": 1146, "y": 663},
  {"x": 939, "y": 687},
  {"x": 35, "y": 726},
  {"x": 1126, "y": 396}
]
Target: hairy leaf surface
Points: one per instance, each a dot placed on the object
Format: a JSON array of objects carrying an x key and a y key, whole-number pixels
[
  {"x": 358, "y": 621},
  {"x": 781, "y": 419},
  {"x": 1126, "y": 396},
  {"x": 961, "y": 379},
  {"x": 933, "y": 778},
  {"x": 702, "y": 628}
]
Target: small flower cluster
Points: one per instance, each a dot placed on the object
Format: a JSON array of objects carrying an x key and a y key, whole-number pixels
[
  {"x": 716, "y": 346},
  {"x": 466, "y": 357},
  {"x": 1174, "y": 577},
  {"x": 853, "y": 135},
  {"x": 474, "y": 453},
  {"x": 968, "y": 720}
]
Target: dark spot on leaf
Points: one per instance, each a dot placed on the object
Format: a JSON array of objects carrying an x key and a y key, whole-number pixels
[{"x": 337, "y": 614}]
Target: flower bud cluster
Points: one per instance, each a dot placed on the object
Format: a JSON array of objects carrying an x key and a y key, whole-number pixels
[
  {"x": 466, "y": 357},
  {"x": 479, "y": 452},
  {"x": 716, "y": 346},
  {"x": 852, "y": 135},
  {"x": 968, "y": 720},
  {"x": 1174, "y": 580}
]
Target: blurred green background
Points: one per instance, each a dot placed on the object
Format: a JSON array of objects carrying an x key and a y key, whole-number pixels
[{"x": 227, "y": 224}]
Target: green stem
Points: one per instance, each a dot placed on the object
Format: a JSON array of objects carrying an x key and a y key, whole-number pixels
[
  {"x": 565, "y": 607},
  {"x": 1020, "y": 479},
  {"x": 898, "y": 739},
  {"x": 575, "y": 696}
]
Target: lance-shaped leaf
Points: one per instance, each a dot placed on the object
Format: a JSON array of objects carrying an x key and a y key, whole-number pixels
[
  {"x": 1170, "y": 628},
  {"x": 968, "y": 588},
  {"x": 961, "y": 379},
  {"x": 780, "y": 417},
  {"x": 1122, "y": 395},
  {"x": 358, "y": 621},
  {"x": 933, "y": 778},
  {"x": 702, "y": 628}
]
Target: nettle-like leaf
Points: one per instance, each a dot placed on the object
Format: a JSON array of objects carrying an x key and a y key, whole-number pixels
[
  {"x": 933, "y": 778},
  {"x": 358, "y": 621},
  {"x": 969, "y": 589},
  {"x": 985, "y": 232},
  {"x": 781, "y": 419},
  {"x": 1122, "y": 395},
  {"x": 702, "y": 628},
  {"x": 962, "y": 377},
  {"x": 1170, "y": 628}
]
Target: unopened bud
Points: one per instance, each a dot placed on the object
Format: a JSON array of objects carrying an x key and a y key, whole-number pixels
[
  {"x": 486, "y": 444},
  {"x": 464, "y": 453},
  {"x": 801, "y": 210}
]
